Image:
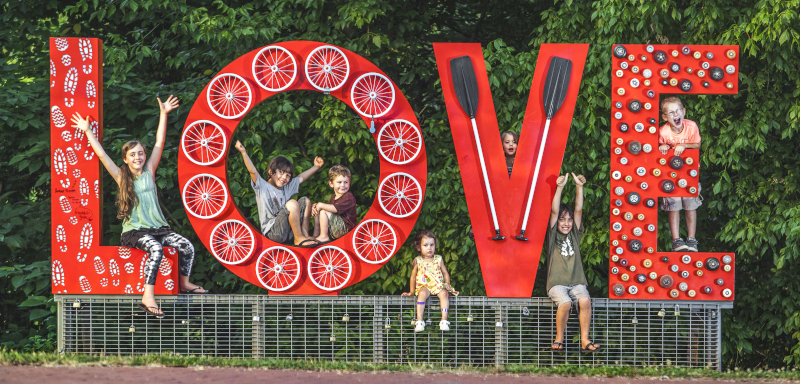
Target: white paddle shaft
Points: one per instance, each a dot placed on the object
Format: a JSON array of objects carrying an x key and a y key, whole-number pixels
[
  {"x": 535, "y": 176},
  {"x": 486, "y": 175}
]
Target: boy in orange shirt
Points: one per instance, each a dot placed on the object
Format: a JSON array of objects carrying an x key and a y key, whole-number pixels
[{"x": 680, "y": 134}]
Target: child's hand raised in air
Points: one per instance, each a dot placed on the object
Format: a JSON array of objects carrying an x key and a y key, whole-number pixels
[
  {"x": 172, "y": 103},
  {"x": 318, "y": 162},
  {"x": 561, "y": 181},
  {"x": 579, "y": 180},
  {"x": 80, "y": 122},
  {"x": 239, "y": 146}
]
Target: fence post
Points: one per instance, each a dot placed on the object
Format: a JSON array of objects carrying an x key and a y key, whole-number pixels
[
  {"x": 500, "y": 337},
  {"x": 257, "y": 328},
  {"x": 377, "y": 329}
]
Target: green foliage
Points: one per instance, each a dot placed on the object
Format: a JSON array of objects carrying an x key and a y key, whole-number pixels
[{"x": 159, "y": 47}]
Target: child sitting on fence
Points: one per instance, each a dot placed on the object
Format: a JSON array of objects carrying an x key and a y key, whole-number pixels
[
  {"x": 429, "y": 277},
  {"x": 143, "y": 225},
  {"x": 338, "y": 216},
  {"x": 280, "y": 216},
  {"x": 566, "y": 282},
  {"x": 680, "y": 134}
]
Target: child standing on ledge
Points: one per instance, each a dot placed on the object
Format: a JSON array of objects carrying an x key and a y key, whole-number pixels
[
  {"x": 680, "y": 134},
  {"x": 428, "y": 277},
  {"x": 566, "y": 282}
]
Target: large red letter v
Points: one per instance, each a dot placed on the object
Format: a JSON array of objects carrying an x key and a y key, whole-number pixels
[{"x": 509, "y": 265}]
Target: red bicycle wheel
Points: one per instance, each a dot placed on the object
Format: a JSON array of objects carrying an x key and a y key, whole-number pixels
[
  {"x": 399, "y": 142},
  {"x": 400, "y": 195},
  {"x": 205, "y": 196},
  {"x": 204, "y": 142},
  {"x": 329, "y": 268},
  {"x": 229, "y": 96},
  {"x": 232, "y": 242},
  {"x": 372, "y": 95},
  {"x": 278, "y": 269},
  {"x": 374, "y": 241},
  {"x": 274, "y": 68},
  {"x": 327, "y": 68}
]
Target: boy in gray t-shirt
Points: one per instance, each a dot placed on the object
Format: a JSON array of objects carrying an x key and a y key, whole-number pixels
[{"x": 280, "y": 216}]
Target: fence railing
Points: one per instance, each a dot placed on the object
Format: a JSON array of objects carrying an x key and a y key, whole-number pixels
[{"x": 483, "y": 331}]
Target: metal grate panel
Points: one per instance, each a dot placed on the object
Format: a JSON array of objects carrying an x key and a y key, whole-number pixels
[{"x": 483, "y": 331}]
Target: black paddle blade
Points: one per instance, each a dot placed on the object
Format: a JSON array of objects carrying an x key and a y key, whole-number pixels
[
  {"x": 556, "y": 85},
  {"x": 465, "y": 84}
]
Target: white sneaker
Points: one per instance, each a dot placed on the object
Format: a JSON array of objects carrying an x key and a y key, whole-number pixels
[
  {"x": 420, "y": 326},
  {"x": 444, "y": 325}
]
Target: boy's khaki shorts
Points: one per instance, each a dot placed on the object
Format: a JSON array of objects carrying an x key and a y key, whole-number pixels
[
  {"x": 682, "y": 203},
  {"x": 336, "y": 227},
  {"x": 563, "y": 294},
  {"x": 281, "y": 230}
]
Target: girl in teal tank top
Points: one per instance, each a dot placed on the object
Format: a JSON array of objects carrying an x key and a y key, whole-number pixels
[{"x": 143, "y": 224}]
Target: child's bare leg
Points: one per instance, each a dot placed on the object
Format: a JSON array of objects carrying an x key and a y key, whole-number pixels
[
  {"x": 585, "y": 319},
  {"x": 149, "y": 298},
  {"x": 306, "y": 217},
  {"x": 295, "y": 221},
  {"x": 324, "y": 218},
  {"x": 317, "y": 225},
  {"x": 444, "y": 302},
  {"x": 674, "y": 223},
  {"x": 562, "y": 315},
  {"x": 691, "y": 223},
  {"x": 423, "y": 295}
]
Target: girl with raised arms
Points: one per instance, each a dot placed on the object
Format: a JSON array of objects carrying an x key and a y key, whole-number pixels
[{"x": 143, "y": 224}]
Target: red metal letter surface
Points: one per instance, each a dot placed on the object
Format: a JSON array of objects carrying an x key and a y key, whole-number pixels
[
  {"x": 641, "y": 174},
  {"x": 80, "y": 264},
  {"x": 202, "y": 168},
  {"x": 509, "y": 265}
]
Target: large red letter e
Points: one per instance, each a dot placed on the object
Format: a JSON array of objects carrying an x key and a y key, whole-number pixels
[{"x": 509, "y": 265}]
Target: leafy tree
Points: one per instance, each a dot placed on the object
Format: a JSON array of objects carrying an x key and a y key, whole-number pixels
[{"x": 157, "y": 47}]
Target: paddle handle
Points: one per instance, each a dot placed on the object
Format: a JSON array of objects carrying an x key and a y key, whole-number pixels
[
  {"x": 485, "y": 175},
  {"x": 535, "y": 176}
]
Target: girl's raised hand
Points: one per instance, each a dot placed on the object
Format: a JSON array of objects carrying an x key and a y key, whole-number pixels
[
  {"x": 80, "y": 122},
  {"x": 172, "y": 103},
  {"x": 239, "y": 146},
  {"x": 318, "y": 161},
  {"x": 561, "y": 181},
  {"x": 579, "y": 180}
]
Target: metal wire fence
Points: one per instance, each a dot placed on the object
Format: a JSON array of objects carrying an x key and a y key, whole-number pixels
[{"x": 483, "y": 331}]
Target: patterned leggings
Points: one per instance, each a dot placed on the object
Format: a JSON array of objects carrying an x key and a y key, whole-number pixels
[{"x": 154, "y": 246}]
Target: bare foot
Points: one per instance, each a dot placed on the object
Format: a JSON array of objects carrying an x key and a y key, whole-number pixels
[
  {"x": 324, "y": 239},
  {"x": 305, "y": 241},
  {"x": 151, "y": 302},
  {"x": 192, "y": 287}
]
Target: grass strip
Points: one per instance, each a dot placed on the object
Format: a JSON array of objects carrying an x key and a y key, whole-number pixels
[{"x": 10, "y": 357}]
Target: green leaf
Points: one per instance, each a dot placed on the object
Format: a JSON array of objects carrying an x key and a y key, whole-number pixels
[{"x": 39, "y": 313}]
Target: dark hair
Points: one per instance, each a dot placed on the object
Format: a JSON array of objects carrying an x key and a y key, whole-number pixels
[
  {"x": 281, "y": 163},
  {"x": 565, "y": 209},
  {"x": 421, "y": 235},
  {"x": 513, "y": 134},
  {"x": 127, "y": 197}
]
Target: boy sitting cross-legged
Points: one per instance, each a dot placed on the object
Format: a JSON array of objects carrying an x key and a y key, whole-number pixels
[
  {"x": 337, "y": 217},
  {"x": 280, "y": 216},
  {"x": 679, "y": 133}
]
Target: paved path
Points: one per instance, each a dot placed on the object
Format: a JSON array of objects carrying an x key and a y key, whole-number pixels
[{"x": 139, "y": 375}]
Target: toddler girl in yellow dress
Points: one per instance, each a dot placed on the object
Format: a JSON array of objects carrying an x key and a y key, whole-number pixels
[{"x": 428, "y": 277}]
